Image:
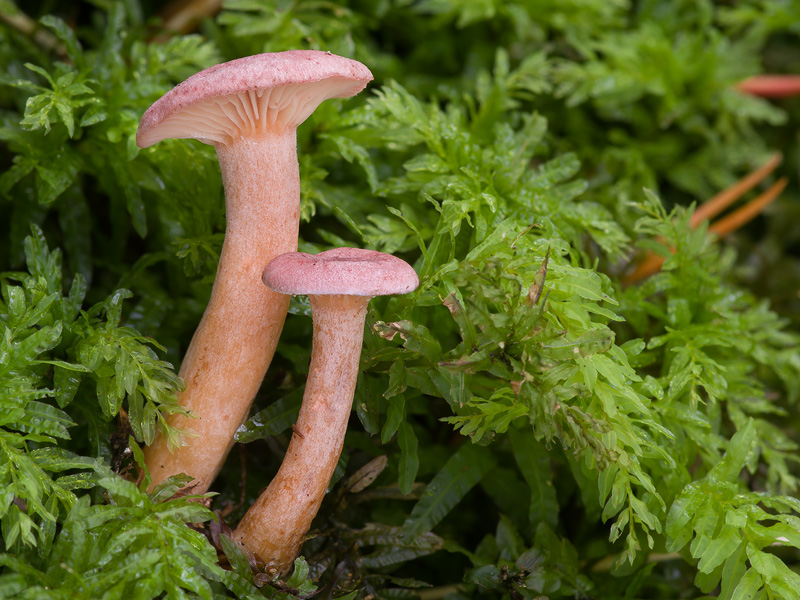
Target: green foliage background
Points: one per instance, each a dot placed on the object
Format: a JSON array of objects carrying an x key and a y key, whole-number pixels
[{"x": 530, "y": 427}]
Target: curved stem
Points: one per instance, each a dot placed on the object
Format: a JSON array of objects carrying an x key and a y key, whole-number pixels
[
  {"x": 274, "y": 527},
  {"x": 234, "y": 343}
]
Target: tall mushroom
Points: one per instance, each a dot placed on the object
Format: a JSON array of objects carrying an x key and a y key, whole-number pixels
[
  {"x": 248, "y": 109},
  {"x": 339, "y": 284}
]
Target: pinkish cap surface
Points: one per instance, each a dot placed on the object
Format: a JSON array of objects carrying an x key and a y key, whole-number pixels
[
  {"x": 251, "y": 95},
  {"x": 341, "y": 271}
]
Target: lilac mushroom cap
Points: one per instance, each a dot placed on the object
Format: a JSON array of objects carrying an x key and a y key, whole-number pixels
[
  {"x": 341, "y": 271},
  {"x": 251, "y": 96}
]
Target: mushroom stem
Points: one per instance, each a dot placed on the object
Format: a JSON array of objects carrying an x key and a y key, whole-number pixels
[
  {"x": 275, "y": 526},
  {"x": 234, "y": 343}
]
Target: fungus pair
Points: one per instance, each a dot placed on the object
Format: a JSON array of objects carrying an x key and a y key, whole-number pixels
[{"x": 249, "y": 110}]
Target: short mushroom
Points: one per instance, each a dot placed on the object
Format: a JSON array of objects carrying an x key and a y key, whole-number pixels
[
  {"x": 248, "y": 109},
  {"x": 339, "y": 284}
]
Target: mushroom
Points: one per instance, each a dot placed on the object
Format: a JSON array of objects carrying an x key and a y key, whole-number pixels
[
  {"x": 339, "y": 284},
  {"x": 248, "y": 109}
]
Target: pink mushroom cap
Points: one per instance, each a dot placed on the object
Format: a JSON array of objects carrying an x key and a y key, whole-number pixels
[
  {"x": 341, "y": 271},
  {"x": 251, "y": 95}
]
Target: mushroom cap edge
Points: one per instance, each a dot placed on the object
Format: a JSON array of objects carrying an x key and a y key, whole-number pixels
[{"x": 252, "y": 73}]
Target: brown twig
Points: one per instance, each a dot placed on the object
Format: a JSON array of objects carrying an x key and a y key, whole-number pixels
[
  {"x": 28, "y": 27},
  {"x": 183, "y": 16}
]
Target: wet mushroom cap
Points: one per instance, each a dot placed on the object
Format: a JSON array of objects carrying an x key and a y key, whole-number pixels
[
  {"x": 251, "y": 96},
  {"x": 341, "y": 271}
]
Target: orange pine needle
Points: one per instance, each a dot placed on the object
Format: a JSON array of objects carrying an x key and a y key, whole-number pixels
[
  {"x": 715, "y": 205},
  {"x": 749, "y": 211},
  {"x": 653, "y": 262}
]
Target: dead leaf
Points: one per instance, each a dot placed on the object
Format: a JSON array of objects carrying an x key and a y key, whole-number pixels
[{"x": 538, "y": 281}]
